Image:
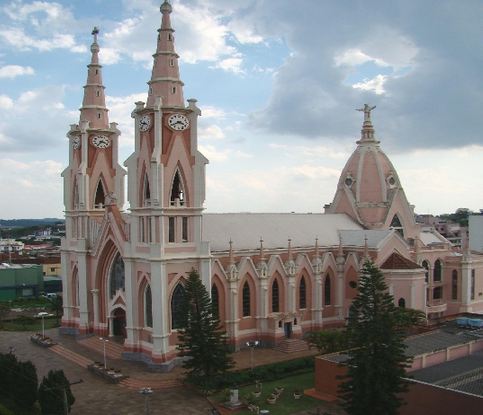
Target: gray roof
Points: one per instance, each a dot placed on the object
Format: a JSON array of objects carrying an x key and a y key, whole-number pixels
[
  {"x": 464, "y": 374},
  {"x": 246, "y": 229},
  {"x": 434, "y": 341},
  {"x": 425, "y": 343},
  {"x": 374, "y": 238}
]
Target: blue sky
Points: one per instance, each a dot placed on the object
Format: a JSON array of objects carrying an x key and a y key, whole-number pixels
[{"x": 278, "y": 83}]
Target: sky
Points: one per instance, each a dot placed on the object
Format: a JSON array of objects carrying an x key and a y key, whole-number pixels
[{"x": 278, "y": 83}]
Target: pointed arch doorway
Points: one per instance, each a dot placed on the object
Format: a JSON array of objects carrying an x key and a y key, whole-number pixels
[{"x": 119, "y": 322}]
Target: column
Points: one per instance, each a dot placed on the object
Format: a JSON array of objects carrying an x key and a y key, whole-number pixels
[{"x": 95, "y": 302}]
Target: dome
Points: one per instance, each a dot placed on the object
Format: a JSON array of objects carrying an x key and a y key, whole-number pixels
[{"x": 369, "y": 189}]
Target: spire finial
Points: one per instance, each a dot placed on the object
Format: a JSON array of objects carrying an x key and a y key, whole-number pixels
[
  {"x": 95, "y": 46},
  {"x": 367, "y": 132}
]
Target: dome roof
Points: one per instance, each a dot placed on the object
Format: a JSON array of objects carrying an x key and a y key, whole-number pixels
[{"x": 369, "y": 185}]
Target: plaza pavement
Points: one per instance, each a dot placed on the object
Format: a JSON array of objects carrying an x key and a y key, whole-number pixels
[{"x": 95, "y": 396}]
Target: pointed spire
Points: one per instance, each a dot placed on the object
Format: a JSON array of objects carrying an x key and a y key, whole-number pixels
[
  {"x": 340, "y": 252},
  {"x": 366, "y": 247},
  {"x": 165, "y": 80},
  {"x": 94, "y": 107},
  {"x": 230, "y": 255},
  {"x": 262, "y": 254},
  {"x": 290, "y": 257},
  {"x": 367, "y": 132},
  {"x": 317, "y": 254}
]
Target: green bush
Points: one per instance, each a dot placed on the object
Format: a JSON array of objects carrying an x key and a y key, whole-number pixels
[
  {"x": 265, "y": 373},
  {"x": 5, "y": 411}
]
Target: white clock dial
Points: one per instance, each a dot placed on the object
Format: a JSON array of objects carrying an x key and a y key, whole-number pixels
[
  {"x": 178, "y": 122},
  {"x": 144, "y": 123},
  {"x": 101, "y": 141},
  {"x": 76, "y": 143}
]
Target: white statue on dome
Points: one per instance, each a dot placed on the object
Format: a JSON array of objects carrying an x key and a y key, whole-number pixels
[{"x": 367, "y": 111}]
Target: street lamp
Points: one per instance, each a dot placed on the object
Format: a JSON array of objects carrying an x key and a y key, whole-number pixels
[
  {"x": 146, "y": 392},
  {"x": 43, "y": 327},
  {"x": 105, "y": 341},
  {"x": 252, "y": 345}
]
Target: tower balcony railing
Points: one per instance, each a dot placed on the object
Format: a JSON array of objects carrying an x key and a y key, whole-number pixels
[{"x": 436, "y": 308}]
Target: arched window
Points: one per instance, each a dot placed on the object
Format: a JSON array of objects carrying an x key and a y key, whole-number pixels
[
  {"x": 116, "y": 276},
  {"x": 454, "y": 285},
  {"x": 425, "y": 265},
  {"x": 148, "y": 307},
  {"x": 146, "y": 192},
  {"x": 176, "y": 300},
  {"x": 100, "y": 196},
  {"x": 396, "y": 225},
  {"x": 302, "y": 294},
  {"x": 177, "y": 190},
  {"x": 401, "y": 303},
  {"x": 215, "y": 300},
  {"x": 246, "y": 300},
  {"x": 437, "y": 274},
  {"x": 327, "y": 297},
  {"x": 275, "y": 297}
]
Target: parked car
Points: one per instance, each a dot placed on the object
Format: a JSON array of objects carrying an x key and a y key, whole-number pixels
[
  {"x": 43, "y": 314},
  {"x": 50, "y": 295}
]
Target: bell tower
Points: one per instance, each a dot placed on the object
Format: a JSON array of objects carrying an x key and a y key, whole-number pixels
[
  {"x": 166, "y": 172},
  {"x": 93, "y": 172}
]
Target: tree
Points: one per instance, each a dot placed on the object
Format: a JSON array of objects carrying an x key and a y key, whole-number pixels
[
  {"x": 54, "y": 393},
  {"x": 56, "y": 307},
  {"x": 25, "y": 383},
  {"x": 377, "y": 362},
  {"x": 329, "y": 341},
  {"x": 200, "y": 336},
  {"x": 4, "y": 311}
]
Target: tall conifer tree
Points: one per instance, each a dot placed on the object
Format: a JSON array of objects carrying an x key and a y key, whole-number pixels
[
  {"x": 201, "y": 337},
  {"x": 377, "y": 360}
]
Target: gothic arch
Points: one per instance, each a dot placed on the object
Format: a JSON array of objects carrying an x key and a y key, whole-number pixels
[
  {"x": 438, "y": 271},
  {"x": 142, "y": 301},
  {"x": 175, "y": 305},
  {"x": 397, "y": 224},
  {"x": 247, "y": 297},
  {"x": 100, "y": 194},
  {"x": 145, "y": 196},
  {"x": 102, "y": 277},
  {"x": 178, "y": 188}
]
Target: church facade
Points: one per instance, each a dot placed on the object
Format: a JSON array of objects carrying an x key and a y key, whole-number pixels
[{"x": 271, "y": 276}]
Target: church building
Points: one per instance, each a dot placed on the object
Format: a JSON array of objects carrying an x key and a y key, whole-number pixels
[{"x": 272, "y": 277}]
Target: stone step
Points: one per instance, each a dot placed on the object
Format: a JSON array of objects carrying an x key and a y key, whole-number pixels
[
  {"x": 113, "y": 349},
  {"x": 136, "y": 384},
  {"x": 72, "y": 356},
  {"x": 292, "y": 346}
]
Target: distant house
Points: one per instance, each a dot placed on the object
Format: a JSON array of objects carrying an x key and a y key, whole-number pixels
[{"x": 11, "y": 245}]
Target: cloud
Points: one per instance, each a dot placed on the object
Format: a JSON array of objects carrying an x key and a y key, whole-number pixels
[
  {"x": 376, "y": 85},
  {"x": 212, "y": 132},
  {"x": 11, "y": 71},
  {"x": 41, "y": 106},
  {"x": 30, "y": 182}
]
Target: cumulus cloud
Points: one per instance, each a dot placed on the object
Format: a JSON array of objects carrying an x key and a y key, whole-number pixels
[
  {"x": 25, "y": 182},
  {"x": 11, "y": 71}
]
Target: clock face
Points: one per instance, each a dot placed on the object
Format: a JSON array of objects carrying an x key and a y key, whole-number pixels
[
  {"x": 101, "y": 141},
  {"x": 76, "y": 143},
  {"x": 144, "y": 123},
  {"x": 178, "y": 122}
]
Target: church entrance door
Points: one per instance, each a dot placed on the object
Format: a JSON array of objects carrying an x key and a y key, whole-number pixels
[
  {"x": 288, "y": 330},
  {"x": 119, "y": 322}
]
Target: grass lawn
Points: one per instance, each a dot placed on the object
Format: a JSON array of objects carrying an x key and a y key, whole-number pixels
[
  {"x": 49, "y": 322},
  {"x": 286, "y": 404}
]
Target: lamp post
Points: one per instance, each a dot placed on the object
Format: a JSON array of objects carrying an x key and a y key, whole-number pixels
[
  {"x": 146, "y": 392},
  {"x": 43, "y": 327},
  {"x": 252, "y": 345},
  {"x": 105, "y": 360}
]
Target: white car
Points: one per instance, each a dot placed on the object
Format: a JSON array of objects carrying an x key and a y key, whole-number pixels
[{"x": 43, "y": 314}]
